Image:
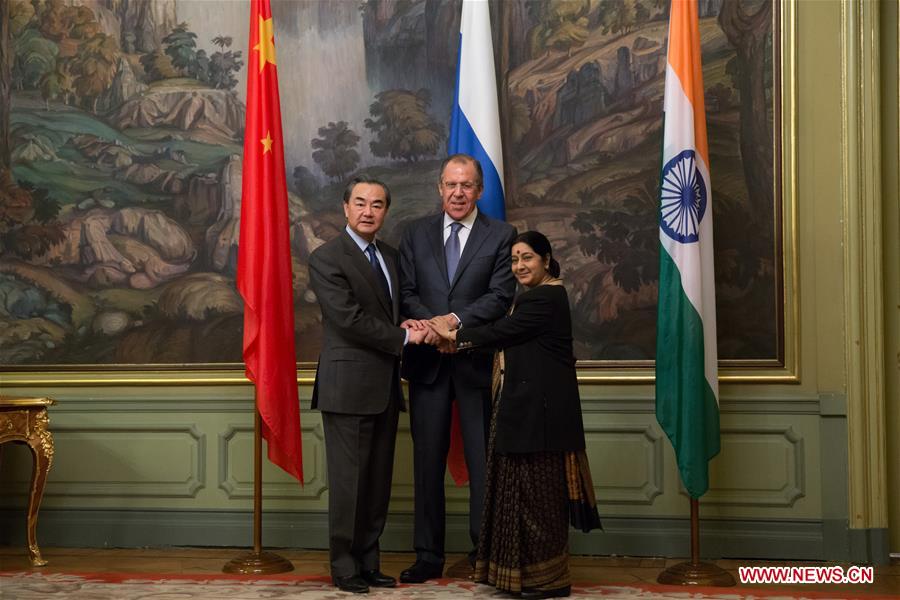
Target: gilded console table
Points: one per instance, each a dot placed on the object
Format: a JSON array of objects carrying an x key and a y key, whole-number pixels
[{"x": 26, "y": 420}]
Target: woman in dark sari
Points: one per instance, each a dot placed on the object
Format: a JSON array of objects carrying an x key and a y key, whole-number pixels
[{"x": 538, "y": 481}]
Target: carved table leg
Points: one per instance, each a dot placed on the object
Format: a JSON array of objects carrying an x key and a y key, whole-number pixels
[{"x": 41, "y": 443}]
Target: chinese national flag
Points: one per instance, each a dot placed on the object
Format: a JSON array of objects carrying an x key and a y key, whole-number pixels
[{"x": 264, "y": 277}]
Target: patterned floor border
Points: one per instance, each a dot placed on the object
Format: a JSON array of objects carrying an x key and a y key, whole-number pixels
[{"x": 31, "y": 585}]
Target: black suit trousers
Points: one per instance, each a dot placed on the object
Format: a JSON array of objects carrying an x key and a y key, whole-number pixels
[
  {"x": 430, "y": 409},
  {"x": 360, "y": 458}
]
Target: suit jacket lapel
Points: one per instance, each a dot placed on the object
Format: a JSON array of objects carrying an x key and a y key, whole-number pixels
[
  {"x": 436, "y": 238},
  {"x": 362, "y": 264},
  {"x": 477, "y": 236},
  {"x": 390, "y": 260}
]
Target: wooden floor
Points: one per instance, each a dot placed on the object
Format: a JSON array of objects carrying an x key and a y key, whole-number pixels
[{"x": 585, "y": 569}]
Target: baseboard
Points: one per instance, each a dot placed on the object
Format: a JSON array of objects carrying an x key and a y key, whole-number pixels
[
  {"x": 870, "y": 546},
  {"x": 719, "y": 538},
  {"x": 790, "y": 540}
]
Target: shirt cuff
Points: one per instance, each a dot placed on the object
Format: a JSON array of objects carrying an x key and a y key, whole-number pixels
[
  {"x": 458, "y": 320},
  {"x": 406, "y": 337}
]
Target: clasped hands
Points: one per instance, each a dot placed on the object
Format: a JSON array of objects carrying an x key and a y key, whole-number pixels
[{"x": 439, "y": 332}]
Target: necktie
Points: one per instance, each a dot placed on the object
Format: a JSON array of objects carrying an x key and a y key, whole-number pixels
[
  {"x": 379, "y": 273},
  {"x": 451, "y": 250}
]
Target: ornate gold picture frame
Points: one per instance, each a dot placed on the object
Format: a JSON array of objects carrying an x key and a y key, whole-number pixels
[{"x": 581, "y": 115}]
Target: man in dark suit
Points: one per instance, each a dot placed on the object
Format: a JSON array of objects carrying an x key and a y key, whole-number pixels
[
  {"x": 454, "y": 265},
  {"x": 357, "y": 385}
]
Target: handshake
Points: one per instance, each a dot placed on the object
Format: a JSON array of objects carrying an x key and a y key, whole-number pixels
[{"x": 439, "y": 332}]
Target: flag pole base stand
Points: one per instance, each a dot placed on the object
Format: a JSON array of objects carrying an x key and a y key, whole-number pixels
[
  {"x": 258, "y": 563},
  {"x": 700, "y": 573}
]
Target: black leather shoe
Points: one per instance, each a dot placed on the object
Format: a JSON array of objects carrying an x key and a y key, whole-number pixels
[
  {"x": 554, "y": 593},
  {"x": 351, "y": 583},
  {"x": 376, "y": 578},
  {"x": 421, "y": 572}
]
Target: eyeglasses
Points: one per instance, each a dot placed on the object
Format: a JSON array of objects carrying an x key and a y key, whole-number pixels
[{"x": 465, "y": 186}]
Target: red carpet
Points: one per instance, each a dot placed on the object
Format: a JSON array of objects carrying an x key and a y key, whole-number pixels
[{"x": 32, "y": 585}]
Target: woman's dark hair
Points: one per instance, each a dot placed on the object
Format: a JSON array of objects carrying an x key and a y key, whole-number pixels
[{"x": 540, "y": 244}]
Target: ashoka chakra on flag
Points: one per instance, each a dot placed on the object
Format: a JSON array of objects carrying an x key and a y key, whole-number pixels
[{"x": 683, "y": 198}]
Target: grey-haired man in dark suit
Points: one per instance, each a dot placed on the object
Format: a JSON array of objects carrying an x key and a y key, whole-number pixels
[{"x": 454, "y": 265}]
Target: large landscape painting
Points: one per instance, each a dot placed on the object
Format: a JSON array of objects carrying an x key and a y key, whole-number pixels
[{"x": 120, "y": 162}]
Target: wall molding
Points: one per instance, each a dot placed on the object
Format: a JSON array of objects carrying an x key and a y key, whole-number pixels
[
  {"x": 314, "y": 480},
  {"x": 651, "y": 442},
  {"x": 136, "y": 488},
  {"x": 213, "y": 400},
  {"x": 862, "y": 263},
  {"x": 793, "y": 486}
]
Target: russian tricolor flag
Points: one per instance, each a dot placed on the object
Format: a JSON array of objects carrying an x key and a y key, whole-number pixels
[{"x": 475, "y": 122}]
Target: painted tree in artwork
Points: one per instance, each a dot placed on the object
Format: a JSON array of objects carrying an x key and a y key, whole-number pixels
[
  {"x": 335, "y": 149},
  {"x": 33, "y": 55},
  {"x": 55, "y": 20},
  {"x": 625, "y": 236},
  {"x": 94, "y": 67},
  {"x": 35, "y": 58},
  {"x": 622, "y": 16},
  {"x": 224, "y": 64},
  {"x": 305, "y": 182},
  {"x": 749, "y": 32},
  {"x": 59, "y": 49},
  {"x": 402, "y": 126},
  {"x": 181, "y": 47},
  {"x": 562, "y": 25},
  {"x": 5, "y": 80},
  {"x": 15, "y": 203},
  {"x": 21, "y": 12},
  {"x": 27, "y": 216},
  {"x": 158, "y": 65}
]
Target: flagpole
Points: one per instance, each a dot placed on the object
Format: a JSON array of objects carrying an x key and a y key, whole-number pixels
[
  {"x": 695, "y": 572},
  {"x": 264, "y": 281},
  {"x": 257, "y": 562},
  {"x": 687, "y": 384},
  {"x": 257, "y": 482}
]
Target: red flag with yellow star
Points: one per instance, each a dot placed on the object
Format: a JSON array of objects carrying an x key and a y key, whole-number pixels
[{"x": 264, "y": 277}]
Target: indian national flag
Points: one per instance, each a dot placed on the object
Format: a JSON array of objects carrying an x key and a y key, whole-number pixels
[{"x": 687, "y": 390}]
